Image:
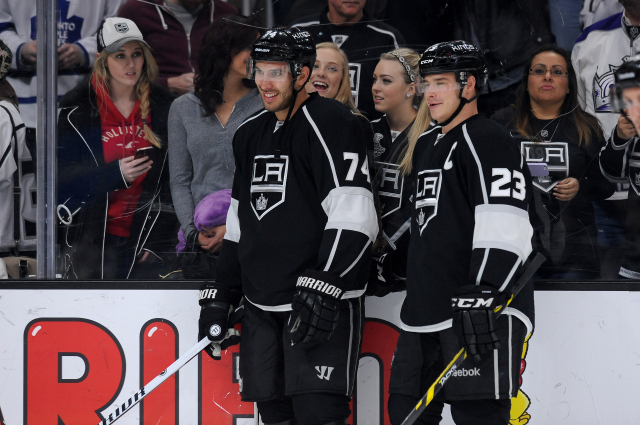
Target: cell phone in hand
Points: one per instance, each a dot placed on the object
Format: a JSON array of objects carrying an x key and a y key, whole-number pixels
[
  {"x": 538, "y": 169},
  {"x": 143, "y": 152}
]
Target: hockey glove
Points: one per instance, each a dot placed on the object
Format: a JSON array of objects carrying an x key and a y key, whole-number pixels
[
  {"x": 214, "y": 312},
  {"x": 475, "y": 310},
  {"x": 382, "y": 279},
  {"x": 232, "y": 336},
  {"x": 315, "y": 308}
]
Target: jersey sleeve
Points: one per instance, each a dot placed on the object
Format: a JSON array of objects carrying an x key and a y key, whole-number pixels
[
  {"x": 341, "y": 173},
  {"x": 228, "y": 267},
  {"x": 614, "y": 158},
  {"x": 499, "y": 187}
]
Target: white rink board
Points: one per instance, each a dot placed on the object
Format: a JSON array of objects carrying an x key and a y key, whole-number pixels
[{"x": 582, "y": 366}]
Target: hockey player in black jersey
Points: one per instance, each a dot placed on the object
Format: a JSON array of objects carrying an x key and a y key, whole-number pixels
[
  {"x": 299, "y": 231},
  {"x": 618, "y": 160},
  {"x": 470, "y": 232},
  {"x": 395, "y": 93}
]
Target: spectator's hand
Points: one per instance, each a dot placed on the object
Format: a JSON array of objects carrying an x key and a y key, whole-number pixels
[
  {"x": 133, "y": 168},
  {"x": 29, "y": 52},
  {"x": 566, "y": 189},
  {"x": 145, "y": 258},
  {"x": 625, "y": 128},
  {"x": 69, "y": 56},
  {"x": 211, "y": 239},
  {"x": 181, "y": 84}
]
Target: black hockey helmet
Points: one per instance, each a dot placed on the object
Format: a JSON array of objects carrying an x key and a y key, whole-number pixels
[
  {"x": 458, "y": 57},
  {"x": 628, "y": 75},
  {"x": 283, "y": 44}
]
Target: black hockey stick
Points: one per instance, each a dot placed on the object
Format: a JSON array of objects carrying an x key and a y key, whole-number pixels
[{"x": 526, "y": 275}]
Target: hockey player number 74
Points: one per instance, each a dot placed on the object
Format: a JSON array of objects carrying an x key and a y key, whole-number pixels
[{"x": 355, "y": 160}]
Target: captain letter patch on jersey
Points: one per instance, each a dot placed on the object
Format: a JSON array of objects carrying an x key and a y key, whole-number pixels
[{"x": 269, "y": 183}]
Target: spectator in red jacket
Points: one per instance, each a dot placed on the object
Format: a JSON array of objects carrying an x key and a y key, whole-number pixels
[{"x": 174, "y": 29}]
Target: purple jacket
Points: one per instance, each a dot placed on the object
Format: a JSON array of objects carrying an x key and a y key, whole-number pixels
[{"x": 175, "y": 51}]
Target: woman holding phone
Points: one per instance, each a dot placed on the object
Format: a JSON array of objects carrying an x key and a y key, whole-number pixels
[{"x": 112, "y": 161}]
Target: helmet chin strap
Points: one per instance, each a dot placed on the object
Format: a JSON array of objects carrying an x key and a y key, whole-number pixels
[
  {"x": 289, "y": 112},
  {"x": 463, "y": 101}
]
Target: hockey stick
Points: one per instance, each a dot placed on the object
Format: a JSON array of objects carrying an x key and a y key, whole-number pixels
[
  {"x": 526, "y": 275},
  {"x": 155, "y": 382}
]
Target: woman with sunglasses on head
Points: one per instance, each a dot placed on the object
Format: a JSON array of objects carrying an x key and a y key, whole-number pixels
[
  {"x": 112, "y": 141},
  {"x": 560, "y": 143},
  {"x": 202, "y": 123},
  {"x": 395, "y": 94}
]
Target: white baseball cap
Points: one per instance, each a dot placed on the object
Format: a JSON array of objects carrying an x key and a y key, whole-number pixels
[{"x": 116, "y": 32}]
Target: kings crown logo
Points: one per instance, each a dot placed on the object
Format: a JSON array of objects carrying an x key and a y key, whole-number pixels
[
  {"x": 378, "y": 149},
  {"x": 421, "y": 218},
  {"x": 122, "y": 27},
  {"x": 602, "y": 86},
  {"x": 261, "y": 203}
]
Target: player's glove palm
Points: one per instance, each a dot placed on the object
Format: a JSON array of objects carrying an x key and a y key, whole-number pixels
[
  {"x": 475, "y": 310},
  {"x": 315, "y": 308}
]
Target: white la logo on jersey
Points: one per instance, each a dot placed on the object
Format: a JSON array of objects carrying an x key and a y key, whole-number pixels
[
  {"x": 268, "y": 183},
  {"x": 428, "y": 184},
  {"x": 339, "y": 40},
  {"x": 554, "y": 154},
  {"x": 390, "y": 185}
]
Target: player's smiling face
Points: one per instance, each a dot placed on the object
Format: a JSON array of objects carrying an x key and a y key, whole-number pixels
[
  {"x": 389, "y": 86},
  {"x": 327, "y": 74},
  {"x": 442, "y": 95},
  {"x": 275, "y": 84},
  {"x": 631, "y": 99}
]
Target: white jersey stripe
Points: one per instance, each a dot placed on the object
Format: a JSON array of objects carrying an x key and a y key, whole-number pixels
[
  {"x": 354, "y": 263},
  {"x": 233, "y": 223},
  {"x": 333, "y": 251},
  {"x": 504, "y": 227},
  {"x": 324, "y": 145},
  {"x": 429, "y": 328},
  {"x": 250, "y": 119},
  {"x": 508, "y": 279},
  {"x": 475, "y": 155},
  {"x": 393, "y": 239},
  {"x": 484, "y": 263},
  {"x": 395, "y": 42},
  {"x": 351, "y": 208}
]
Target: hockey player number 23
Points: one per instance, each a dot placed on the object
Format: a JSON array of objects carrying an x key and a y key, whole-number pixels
[
  {"x": 501, "y": 187},
  {"x": 354, "y": 158}
]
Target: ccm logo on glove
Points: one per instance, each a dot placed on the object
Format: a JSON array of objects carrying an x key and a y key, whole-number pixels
[
  {"x": 319, "y": 286},
  {"x": 471, "y": 302}
]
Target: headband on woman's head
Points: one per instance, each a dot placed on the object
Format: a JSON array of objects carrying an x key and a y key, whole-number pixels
[{"x": 405, "y": 64}]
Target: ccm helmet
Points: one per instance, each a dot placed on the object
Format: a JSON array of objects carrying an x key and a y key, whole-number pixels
[
  {"x": 460, "y": 58},
  {"x": 628, "y": 75},
  {"x": 282, "y": 44}
]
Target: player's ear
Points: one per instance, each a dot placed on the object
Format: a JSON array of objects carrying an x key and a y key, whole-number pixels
[
  {"x": 470, "y": 88},
  {"x": 304, "y": 75}
]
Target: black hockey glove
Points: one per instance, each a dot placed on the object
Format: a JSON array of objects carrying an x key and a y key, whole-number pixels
[
  {"x": 214, "y": 312},
  {"x": 382, "y": 279},
  {"x": 232, "y": 336},
  {"x": 475, "y": 310},
  {"x": 315, "y": 308}
]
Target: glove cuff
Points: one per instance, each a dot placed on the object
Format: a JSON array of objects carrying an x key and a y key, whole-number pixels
[
  {"x": 213, "y": 292},
  {"x": 322, "y": 283}
]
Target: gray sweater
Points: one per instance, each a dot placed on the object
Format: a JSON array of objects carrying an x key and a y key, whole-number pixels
[{"x": 200, "y": 152}]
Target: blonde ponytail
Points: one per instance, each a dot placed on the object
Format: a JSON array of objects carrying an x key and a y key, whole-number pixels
[{"x": 420, "y": 125}]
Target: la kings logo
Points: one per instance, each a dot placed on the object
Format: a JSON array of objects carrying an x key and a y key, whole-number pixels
[
  {"x": 554, "y": 154},
  {"x": 269, "y": 183},
  {"x": 428, "y": 183},
  {"x": 390, "y": 185},
  {"x": 378, "y": 149}
]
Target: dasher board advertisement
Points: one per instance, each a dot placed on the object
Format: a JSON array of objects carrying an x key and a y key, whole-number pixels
[{"x": 72, "y": 353}]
